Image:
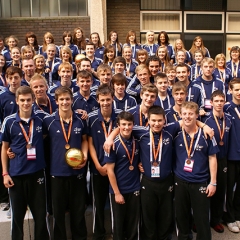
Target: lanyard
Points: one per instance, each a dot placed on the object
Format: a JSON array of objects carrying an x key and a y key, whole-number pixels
[
  {"x": 3, "y": 81},
  {"x": 235, "y": 70},
  {"x": 161, "y": 102},
  {"x": 151, "y": 49},
  {"x": 106, "y": 133},
  {"x": 237, "y": 112},
  {"x": 28, "y": 137},
  {"x": 189, "y": 149},
  {"x": 203, "y": 89},
  {"x": 66, "y": 136},
  {"x": 222, "y": 75},
  {"x": 133, "y": 150},
  {"x": 133, "y": 50},
  {"x": 115, "y": 105},
  {"x": 155, "y": 152},
  {"x": 221, "y": 131},
  {"x": 49, "y": 103},
  {"x": 140, "y": 117}
]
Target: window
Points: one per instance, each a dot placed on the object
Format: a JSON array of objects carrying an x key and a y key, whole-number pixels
[
  {"x": 160, "y": 5},
  {"x": 204, "y": 5},
  {"x": 233, "y": 20},
  {"x": 157, "y": 21},
  {"x": 204, "y": 22},
  {"x": 42, "y": 8},
  {"x": 233, "y": 5}
]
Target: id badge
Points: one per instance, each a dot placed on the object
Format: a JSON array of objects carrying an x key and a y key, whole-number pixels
[
  {"x": 188, "y": 166},
  {"x": 207, "y": 104},
  {"x": 31, "y": 153},
  {"x": 155, "y": 171}
]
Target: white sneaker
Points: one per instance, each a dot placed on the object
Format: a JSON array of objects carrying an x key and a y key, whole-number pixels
[
  {"x": 238, "y": 224},
  {"x": 233, "y": 227}
]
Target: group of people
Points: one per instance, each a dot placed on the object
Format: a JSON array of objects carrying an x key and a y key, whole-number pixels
[{"x": 156, "y": 125}]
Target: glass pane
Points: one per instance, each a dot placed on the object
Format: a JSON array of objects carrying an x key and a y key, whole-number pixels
[
  {"x": 233, "y": 22},
  {"x": 0, "y": 8},
  {"x": 6, "y": 12},
  {"x": 72, "y": 8},
  {"x": 172, "y": 37},
  {"x": 35, "y": 8},
  {"x": 233, "y": 5},
  {"x": 15, "y": 5},
  {"x": 54, "y": 8},
  {"x": 167, "y": 21},
  {"x": 212, "y": 5},
  {"x": 25, "y": 8},
  {"x": 63, "y": 7},
  {"x": 160, "y": 5},
  {"x": 213, "y": 42},
  {"x": 231, "y": 40},
  {"x": 82, "y": 8},
  {"x": 44, "y": 6},
  {"x": 204, "y": 22}
]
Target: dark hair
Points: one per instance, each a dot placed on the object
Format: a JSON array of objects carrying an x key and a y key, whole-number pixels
[
  {"x": 99, "y": 44},
  {"x": 156, "y": 110},
  {"x": 23, "y": 90},
  {"x": 104, "y": 89},
  {"x": 160, "y": 75},
  {"x": 233, "y": 81},
  {"x": 84, "y": 74},
  {"x": 166, "y": 38},
  {"x": 152, "y": 59},
  {"x": 179, "y": 86},
  {"x": 130, "y": 33},
  {"x": 62, "y": 90},
  {"x": 119, "y": 78},
  {"x": 65, "y": 34},
  {"x": 183, "y": 65},
  {"x": 81, "y": 44},
  {"x": 217, "y": 93},
  {"x": 106, "y": 50},
  {"x": 127, "y": 116},
  {"x": 35, "y": 44},
  {"x": 119, "y": 60},
  {"x": 12, "y": 70}
]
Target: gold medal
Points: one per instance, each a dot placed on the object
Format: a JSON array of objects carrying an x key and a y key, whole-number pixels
[
  {"x": 131, "y": 167},
  {"x": 74, "y": 157},
  {"x": 221, "y": 143},
  {"x": 67, "y": 146},
  {"x": 155, "y": 164}
]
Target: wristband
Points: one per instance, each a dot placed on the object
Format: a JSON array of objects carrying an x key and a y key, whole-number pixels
[
  {"x": 213, "y": 184},
  {"x": 204, "y": 125},
  {"x": 4, "y": 174}
]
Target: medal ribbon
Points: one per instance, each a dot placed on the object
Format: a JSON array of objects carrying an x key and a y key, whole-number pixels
[
  {"x": 105, "y": 129},
  {"x": 237, "y": 112},
  {"x": 189, "y": 154},
  {"x": 153, "y": 151},
  {"x": 66, "y": 136},
  {"x": 203, "y": 89},
  {"x": 161, "y": 102},
  {"x": 140, "y": 117},
  {"x": 235, "y": 69},
  {"x": 221, "y": 131},
  {"x": 3, "y": 81},
  {"x": 49, "y": 103},
  {"x": 28, "y": 137},
  {"x": 222, "y": 75},
  {"x": 133, "y": 149}
]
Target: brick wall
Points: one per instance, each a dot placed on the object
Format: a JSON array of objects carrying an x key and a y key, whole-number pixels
[
  {"x": 57, "y": 25},
  {"x": 122, "y": 16}
]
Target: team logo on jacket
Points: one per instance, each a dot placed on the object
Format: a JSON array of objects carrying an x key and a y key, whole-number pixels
[
  {"x": 77, "y": 130},
  {"x": 166, "y": 141},
  {"x": 39, "y": 129},
  {"x": 199, "y": 148}
]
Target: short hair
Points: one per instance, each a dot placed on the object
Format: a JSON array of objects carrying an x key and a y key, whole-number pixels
[
  {"x": 217, "y": 93},
  {"x": 152, "y": 59},
  {"x": 198, "y": 51},
  {"x": 103, "y": 68},
  {"x": 149, "y": 88},
  {"x": 127, "y": 116},
  {"x": 142, "y": 67},
  {"x": 179, "y": 86},
  {"x": 169, "y": 68},
  {"x": 183, "y": 65},
  {"x": 119, "y": 60},
  {"x": 27, "y": 59},
  {"x": 84, "y": 74},
  {"x": 12, "y": 70},
  {"x": 37, "y": 76},
  {"x": 38, "y": 56},
  {"x": 62, "y": 90},
  {"x": 119, "y": 78},
  {"x": 16, "y": 48},
  {"x": 233, "y": 82},
  {"x": 159, "y": 75},
  {"x": 104, "y": 89},
  {"x": 90, "y": 44},
  {"x": 180, "y": 50},
  {"x": 23, "y": 90},
  {"x": 190, "y": 105},
  {"x": 235, "y": 48},
  {"x": 65, "y": 65},
  {"x": 207, "y": 60},
  {"x": 126, "y": 46},
  {"x": 218, "y": 57},
  {"x": 68, "y": 50},
  {"x": 156, "y": 110},
  {"x": 51, "y": 45}
]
